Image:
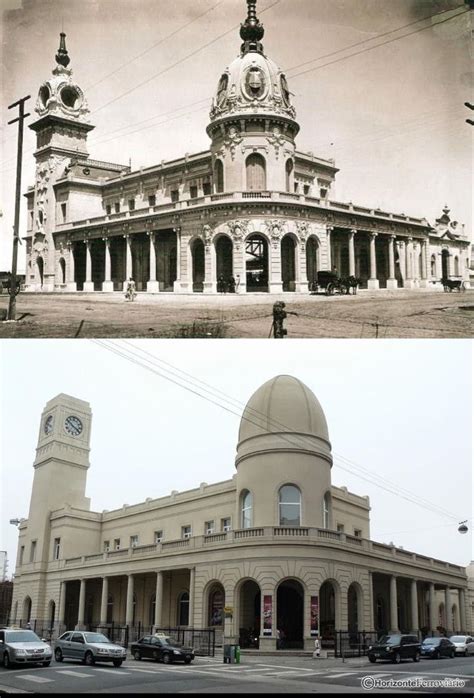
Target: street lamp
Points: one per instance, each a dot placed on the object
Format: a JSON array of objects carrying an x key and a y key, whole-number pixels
[
  {"x": 462, "y": 527},
  {"x": 16, "y": 522}
]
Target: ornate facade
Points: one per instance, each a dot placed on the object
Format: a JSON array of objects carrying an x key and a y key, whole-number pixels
[
  {"x": 251, "y": 207},
  {"x": 275, "y": 547}
]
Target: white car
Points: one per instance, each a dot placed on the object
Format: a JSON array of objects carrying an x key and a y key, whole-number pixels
[
  {"x": 19, "y": 646},
  {"x": 464, "y": 644}
]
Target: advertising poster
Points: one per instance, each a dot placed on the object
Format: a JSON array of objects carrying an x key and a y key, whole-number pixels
[
  {"x": 267, "y": 615},
  {"x": 314, "y": 615}
]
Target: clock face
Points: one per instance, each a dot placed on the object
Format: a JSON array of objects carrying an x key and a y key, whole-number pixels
[
  {"x": 48, "y": 425},
  {"x": 73, "y": 425}
]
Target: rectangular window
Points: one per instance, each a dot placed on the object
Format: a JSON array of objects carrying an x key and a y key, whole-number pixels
[
  {"x": 22, "y": 552},
  {"x": 206, "y": 188},
  {"x": 186, "y": 531},
  {"x": 193, "y": 191},
  {"x": 158, "y": 536},
  {"x": 56, "y": 548},
  {"x": 31, "y": 219},
  {"x": 131, "y": 204},
  {"x": 63, "y": 212},
  {"x": 106, "y": 546},
  {"x": 152, "y": 200},
  {"x": 306, "y": 189},
  {"x": 296, "y": 187},
  {"x": 209, "y": 527},
  {"x": 116, "y": 543},
  {"x": 117, "y": 207},
  {"x": 357, "y": 533},
  {"x": 33, "y": 551},
  {"x": 226, "y": 524},
  {"x": 340, "y": 528},
  {"x": 133, "y": 541},
  {"x": 108, "y": 209},
  {"x": 174, "y": 195}
]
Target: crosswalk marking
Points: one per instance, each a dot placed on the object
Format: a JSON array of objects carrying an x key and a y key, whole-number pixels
[
  {"x": 119, "y": 672},
  {"x": 36, "y": 679},
  {"x": 338, "y": 676},
  {"x": 69, "y": 672},
  {"x": 142, "y": 671}
]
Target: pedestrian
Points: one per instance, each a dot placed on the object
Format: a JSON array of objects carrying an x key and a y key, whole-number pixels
[
  {"x": 231, "y": 285},
  {"x": 130, "y": 292},
  {"x": 317, "y": 648},
  {"x": 220, "y": 284},
  {"x": 278, "y": 639},
  {"x": 237, "y": 283}
]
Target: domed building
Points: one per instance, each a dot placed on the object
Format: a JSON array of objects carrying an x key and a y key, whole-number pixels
[
  {"x": 252, "y": 211},
  {"x": 277, "y": 548}
]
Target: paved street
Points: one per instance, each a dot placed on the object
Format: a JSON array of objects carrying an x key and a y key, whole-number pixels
[
  {"x": 254, "y": 675},
  {"x": 369, "y": 314}
]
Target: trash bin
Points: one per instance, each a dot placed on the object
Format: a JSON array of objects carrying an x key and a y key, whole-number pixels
[{"x": 231, "y": 654}]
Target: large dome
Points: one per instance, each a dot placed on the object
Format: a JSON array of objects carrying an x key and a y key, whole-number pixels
[{"x": 283, "y": 404}]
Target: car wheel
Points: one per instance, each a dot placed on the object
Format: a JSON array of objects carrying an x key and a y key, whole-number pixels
[
  {"x": 58, "y": 655},
  {"x": 156, "y": 656},
  {"x": 397, "y": 658},
  {"x": 187, "y": 661},
  {"x": 46, "y": 663},
  {"x": 372, "y": 660},
  {"x": 416, "y": 658},
  {"x": 117, "y": 662},
  {"x": 167, "y": 658},
  {"x": 6, "y": 661},
  {"x": 137, "y": 655},
  {"x": 89, "y": 659}
]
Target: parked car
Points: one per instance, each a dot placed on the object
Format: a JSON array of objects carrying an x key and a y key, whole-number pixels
[
  {"x": 161, "y": 647},
  {"x": 436, "y": 647},
  {"x": 463, "y": 644},
  {"x": 395, "y": 648},
  {"x": 18, "y": 646},
  {"x": 89, "y": 648}
]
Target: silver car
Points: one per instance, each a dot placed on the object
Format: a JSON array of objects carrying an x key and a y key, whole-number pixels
[
  {"x": 464, "y": 644},
  {"x": 18, "y": 646},
  {"x": 89, "y": 648}
]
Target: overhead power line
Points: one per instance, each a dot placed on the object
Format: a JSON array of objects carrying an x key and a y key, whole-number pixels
[{"x": 217, "y": 397}]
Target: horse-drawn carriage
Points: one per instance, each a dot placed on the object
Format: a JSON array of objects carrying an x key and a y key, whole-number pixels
[
  {"x": 452, "y": 285},
  {"x": 330, "y": 283}
]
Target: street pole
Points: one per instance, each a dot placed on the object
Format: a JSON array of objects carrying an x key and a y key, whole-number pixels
[{"x": 16, "y": 226}]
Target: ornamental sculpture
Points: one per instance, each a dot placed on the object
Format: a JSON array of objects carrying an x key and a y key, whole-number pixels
[
  {"x": 275, "y": 231},
  {"x": 232, "y": 140},
  {"x": 207, "y": 233},
  {"x": 277, "y": 140}
]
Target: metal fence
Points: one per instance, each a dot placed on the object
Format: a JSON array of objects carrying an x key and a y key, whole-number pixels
[
  {"x": 353, "y": 644},
  {"x": 202, "y": 640}
]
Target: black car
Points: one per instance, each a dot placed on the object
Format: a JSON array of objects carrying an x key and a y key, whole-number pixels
[
  {"x": 161, "y": 648},
  {"x": 436, "y": 647},
  {"x": 395, "y": 648}
]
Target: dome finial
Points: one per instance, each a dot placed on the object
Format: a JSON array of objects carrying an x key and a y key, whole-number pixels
[
  {"x": 62, "y": 56},
  {"x": 251, "y": 31}
]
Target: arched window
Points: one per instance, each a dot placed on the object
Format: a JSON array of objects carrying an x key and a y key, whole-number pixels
[
  {"x": 183, "y": 608},
  {"x": 326, "y": 510},
  {"x": 219, "y": 176},
  {"x": 289, "y": 505},
  {"x": 216, "y": 607},
  {"x": 27, "y": 610},
  {"x": 289, "y": 171},
  {"x": 256, "y": 172},
  {"x": 246, "y": 509}
]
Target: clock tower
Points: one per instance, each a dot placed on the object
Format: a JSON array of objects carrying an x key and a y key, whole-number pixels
[
  {"x": 61, "y": 135},
  {"x": 61, "y": 464}
]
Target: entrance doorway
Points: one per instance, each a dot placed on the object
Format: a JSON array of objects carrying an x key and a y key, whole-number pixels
[
  {"x": 256, "y": 263},
  {"x": 290, "y": 603},
  {"x": 445, "y": 264},
  {"x": 249, "y": 616},
  {"x": 40, "y": 266},
  {"x": 197, "y": 252},
  {"x": 327, "y": 623},
  {"x": 312, "y": 260},
  {"x": 288, "y": 263},
  {"x": 224, "y": 266}
]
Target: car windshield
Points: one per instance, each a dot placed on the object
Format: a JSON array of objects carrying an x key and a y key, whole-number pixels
[
  {"x": 458, "y": 638},
  {"x": 168, "y": 641},
  {"x": 431, "y": 641},
  {"x": 390, "y": 640},
  {"x": 96, "y": 637},
  {"x": 22, "y": 636}
]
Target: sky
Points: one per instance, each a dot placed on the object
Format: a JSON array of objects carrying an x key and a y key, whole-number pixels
[
  {"x": 400, "y": 409},
  {"x": 393, "y": 117}
]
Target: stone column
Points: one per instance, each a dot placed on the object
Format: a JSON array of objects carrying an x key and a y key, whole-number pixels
[
  {"x": 391, "y": 281},
  {"x": 108, "y": 284},
  {"x": 152, "y": 285},
  {"x": 424, "y": 262},
  {"x": 433, "y": 619},
  {"x": 447, "y": 609},
  {"x": 82, "y": 605},
  {"x": 462, "y": 610},
  {"x": 177, "y": 284},
  {"x": 210, "y": 281},
  {"x": 401, "y": 260},
  {"x": 393, "y": 605},
  {"x": 370, "y": 602},
  {"x": 158, "y": 599},
  {"x": 129, "y": 607},
  {"x": 192, "y": 576},
  {"x": 128, "y": 259},
  {"x": 274, "y": 261},
  {"x": 373, "y": 282},
  {"x": 409, "y": 283},
  {"x": 62, "y": 605},
  {"x": 268, "y": 642},
  {"x": 301, "y": 281},
  {"x": 351, "y": 252},
  {"x": 103, "y": 600},
  {"x": 71, "y": 284},
  {"x": 329, "y": 230},
  {"x": 415, "y": 623},
  {"x": 88, "y": 283}
]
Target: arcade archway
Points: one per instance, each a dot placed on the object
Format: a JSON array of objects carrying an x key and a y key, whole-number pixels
[
  {"x": 249, "y": 614},
  {"x": 288, "y": 263},
  {"x": 197, "y": 252},
  {"x": 224, "y": 258},
  {"x": 290, "y": 605},
  {"x": 256, "y": 263}
]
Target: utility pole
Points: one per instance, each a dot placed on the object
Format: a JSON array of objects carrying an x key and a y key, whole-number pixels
[{"x": 16, "y": 226}]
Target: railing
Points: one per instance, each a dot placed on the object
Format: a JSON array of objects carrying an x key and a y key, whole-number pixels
[
  {"x": 256, "y": 195},
  {"x": 249, "y": 533},
  {"x": 215, "y": 537},
  {"x": 95, "y": 556},
  {"x": 291, "y": 531},
  {"x": 117, "y": 553},
  {"x": 109, "y": 165},
  {"x": 150, "y": 548},
  {"x": 354, "y": 540},
  {"x": 181, "y": 543},
  {"x": 73, "y": 561},
  {"x": 333, "y": 535},
  {"x": 353, "y": 643}
]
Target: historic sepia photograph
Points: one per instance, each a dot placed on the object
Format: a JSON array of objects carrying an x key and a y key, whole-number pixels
[
  {"x": 284, "y": 522},
  {"x": 235, "y": 168}
]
